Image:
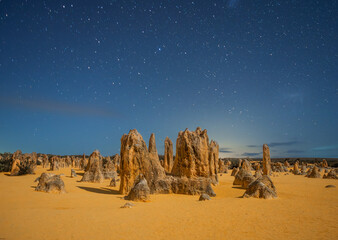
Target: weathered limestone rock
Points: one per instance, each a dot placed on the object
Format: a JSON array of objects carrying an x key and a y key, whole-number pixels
[
  {"x": 204, "y": 197},
  {"x": 258, "y": 174},
  {"x": 68, "y": 161},
  {"x": 93, "y": 172},
  {"x": 45, "y": 161},
  {"x": 286, "y": 164},
  {"x": 128, "y": 205},
  {"x": 73, "y": 173},
  {"x": 54, "y": 163},
  {"x": 184, "y": 185},
  {"x": 234, "y": 171},
  {"x": 243, "y": 178},
  {"x": 168, "y": 155},
  {"x": 140, "y": 191},
  {"x": 116, "y": 161},
  {"x": 16, "y": 155},
  {"x": 49, "y": 182},
  {"x": 324, "y": 164},
  {"x": 296, "y": 169},
  {"x": 108, "y": 168},
  {"x": 83, "y": 162},
  {"x": 261, "y": 188},
  {"x": 195, "y": 156},
  {"x": 314, "y": 173},
  {"x": 266, "y": 160},
  {"x": 246, "y": 165},
  {"x": 15, "y": 170},
  {"x": 135, "y": 160},
  {"x": 331, "y": 175}
]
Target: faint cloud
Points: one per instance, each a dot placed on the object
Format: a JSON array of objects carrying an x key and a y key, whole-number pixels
[
  {"x": 225, "y": 150},
  {"x": 325, "y": 148},
  {"x": 252, "y": 146},
  {"x": 52, "y": 106},
  {"x": 251, "y": 154}
]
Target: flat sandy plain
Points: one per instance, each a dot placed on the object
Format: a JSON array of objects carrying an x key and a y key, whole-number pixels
[{"x": 305, "y": 209}]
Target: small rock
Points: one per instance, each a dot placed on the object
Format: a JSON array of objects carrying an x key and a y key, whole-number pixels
[
  {"x": 128, "y": 205},
  {"x": 330, "y": 186},
  {"x": 204, "y": 197}
]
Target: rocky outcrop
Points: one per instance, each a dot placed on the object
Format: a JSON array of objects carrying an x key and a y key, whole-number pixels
[
  {"x": 109, "y": 170},
  {"x": 195, "y": 156},
  {"x": 331, "y": 175},
  {"x": 324, "y": 164},
  {"x": 296, "y": 169},
  {"x": 93, "y": 171},
  {"x": 45, "y": 161},
  {"x": 266, "y": 160},
  {"x": 73, "y": 173},
  {"x": 116, "y": 161},
  {"x": 54, "y": 163},
  {"x": 261, "y": 188},
  {"x": 243, "y": 178},
  {"x": 136, "y": 160},
  {"x": 278, "y": 167},
  {"x": 15, "y": 169},
  {"x": 258, "y": 174},
  {"x": 49, "y": 182},
  {"x": 204, "y": 197},
  {"x": 246, "y": 165},
  {"x": 168, "y": 155},
  {"x": 234, "y": 171},
  {"x": 314, "y": 173},
  {"x": 140, "y": 192}
]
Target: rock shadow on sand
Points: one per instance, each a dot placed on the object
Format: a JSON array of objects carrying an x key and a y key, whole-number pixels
[{"x": 101, "y": 190}]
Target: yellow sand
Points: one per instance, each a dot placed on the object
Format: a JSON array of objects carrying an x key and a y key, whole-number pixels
[{"x": 305, "y": 209}]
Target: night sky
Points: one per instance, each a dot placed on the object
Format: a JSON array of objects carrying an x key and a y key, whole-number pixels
[{"x": 76, "y": 75}]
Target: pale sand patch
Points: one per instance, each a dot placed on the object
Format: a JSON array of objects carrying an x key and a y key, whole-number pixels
[{"x": 305, "y": 209}]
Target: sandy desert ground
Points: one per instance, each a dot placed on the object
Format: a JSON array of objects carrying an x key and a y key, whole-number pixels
[{"x": 305, "y": 209}]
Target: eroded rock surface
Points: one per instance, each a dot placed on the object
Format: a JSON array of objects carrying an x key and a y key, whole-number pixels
[
  {"x": 261, "y": 188},
  {"x": 49, "y": 182},
  {"x": 93, "y": 171},
  {"x": 168, "y": 155}
]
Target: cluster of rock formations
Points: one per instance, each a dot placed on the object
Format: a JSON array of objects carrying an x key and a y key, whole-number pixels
[
  {"x": 193, "y": 171},
  {"x": 259, "y": 185}
]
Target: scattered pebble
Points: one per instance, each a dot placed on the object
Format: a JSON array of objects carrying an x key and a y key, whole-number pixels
[
  {"x": 204, "y": 197},
  {"x": 128, "y": 205}
]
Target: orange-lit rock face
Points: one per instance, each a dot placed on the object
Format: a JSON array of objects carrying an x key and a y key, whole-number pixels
[
  {"x": 266, "y": 160},
  {"x": 195, "y": 156}
]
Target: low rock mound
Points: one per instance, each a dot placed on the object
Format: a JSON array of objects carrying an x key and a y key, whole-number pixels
[
  {"x": 330, "y": 186},
  {"x": 243, "y": 178},
  {"x": 140, "y": 191},
  {"x": 73, "y": 173},
  {"x": 331, "y": 175},
  {"x": 261, "y": 188},
  {"x": 314, "y": 173},
  {"x": 204, "y": 197},
  {"x": 49, "y": 182}
]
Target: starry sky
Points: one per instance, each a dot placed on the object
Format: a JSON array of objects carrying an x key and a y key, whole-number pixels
[{"x": 76, "y": 75}]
